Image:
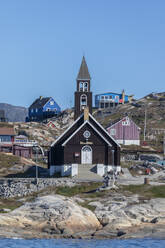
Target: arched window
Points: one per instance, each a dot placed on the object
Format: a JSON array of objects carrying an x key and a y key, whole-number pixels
[
  {"x": 83, "y": 86},
  {"x": 83, "y": 101}
]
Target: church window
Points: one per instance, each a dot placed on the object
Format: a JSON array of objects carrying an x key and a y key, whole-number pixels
[
  {"x": 86, "y": 134},
  {"x": 83, "y": 101},
  {"x": 83, "y": 86}
]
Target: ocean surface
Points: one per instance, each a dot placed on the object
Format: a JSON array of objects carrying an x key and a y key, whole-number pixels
[{"x": 68, "y": 243}]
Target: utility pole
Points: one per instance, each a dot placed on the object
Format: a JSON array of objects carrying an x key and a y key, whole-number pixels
[
  {"x": 164, "y": 146},
  {"x": 145, "y": 121},
  {"x": 36, "y": 165}
]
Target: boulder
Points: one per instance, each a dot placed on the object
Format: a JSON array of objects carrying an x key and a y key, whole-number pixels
[{"x": 52, "y": 214}]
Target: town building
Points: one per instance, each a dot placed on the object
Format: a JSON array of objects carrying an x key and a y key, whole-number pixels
[
  {"x": 43, "y": 108},
  {"x": 7, "y": 135},
  {"x": 22, "y": 151},
  {"x": 111, "y": 100},
  {"x": 125, "y": 131},
  {"x": 18, "y": 145},
  {"x": 85, "y": 141}
]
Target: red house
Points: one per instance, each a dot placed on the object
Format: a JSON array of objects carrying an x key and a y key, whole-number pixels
[
  {"x": 125, "y": 132},
  {"x": 7, "y": 135}
]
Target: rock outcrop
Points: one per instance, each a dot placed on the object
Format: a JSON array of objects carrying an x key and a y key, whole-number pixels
[
  {"x": 121, "y": 212},
  {"x": 116, "y": 216},
  {"x": 52, "y": 214}
]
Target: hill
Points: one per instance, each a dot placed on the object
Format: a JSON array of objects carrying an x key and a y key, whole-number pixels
[
  {"x": 152, "y": 104},
  {"x": 14, "y": 113}
]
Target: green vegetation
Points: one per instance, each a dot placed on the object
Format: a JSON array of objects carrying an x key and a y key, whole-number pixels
[
  {"x": 9, "y": 204},
  {"x": 85, "y": 205},
  {"x": 8, "y": 161},
  {"x": 147, "y": 191},
  {"x": 78, "y": 189}
]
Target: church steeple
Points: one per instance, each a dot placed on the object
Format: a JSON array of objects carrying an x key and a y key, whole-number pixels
[
  {"x": 83, "y": 72},
  {"x": 83, "y": 96}
]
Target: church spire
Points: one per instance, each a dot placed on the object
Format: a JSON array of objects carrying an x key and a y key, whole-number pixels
[
  {"x": 83, "y": 95},
  {"x": 83, "y": 72}
]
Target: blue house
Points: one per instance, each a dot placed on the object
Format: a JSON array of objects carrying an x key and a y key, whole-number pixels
[
  {"x": 110, "y": 99},
  {"x": 43, "y": 108}
]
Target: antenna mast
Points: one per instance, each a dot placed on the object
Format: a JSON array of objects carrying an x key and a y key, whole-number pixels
[{"x": 145, "y": 122}]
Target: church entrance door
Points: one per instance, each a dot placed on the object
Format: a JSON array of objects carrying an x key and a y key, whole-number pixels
[{"x": 86, "y": 155}]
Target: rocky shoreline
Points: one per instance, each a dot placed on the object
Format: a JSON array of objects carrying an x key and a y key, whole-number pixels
[{"x": 116, "y": 216}]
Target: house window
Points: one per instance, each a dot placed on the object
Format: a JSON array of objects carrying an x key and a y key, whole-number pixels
[
  {"x": 102, "y": 97},
  {"x": 36, "y": 110},
  {"x": 83, "y": 86},
  {"x": 31, "y": 110},
  {"x": 110, "y": 97},
  {"x": 126, "y": 122},
  {"x": 112, "y": 131},
  {"x": 102, "y": 105},
  {"x": 83, "y": 101},
  {"x": 48, "y": 109},
  {"x": 51, "y": 103}
]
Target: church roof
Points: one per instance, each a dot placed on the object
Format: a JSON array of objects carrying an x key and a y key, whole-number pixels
[
  {"x": 83, "y": 72},
  {"x": 78, "y": 123}
]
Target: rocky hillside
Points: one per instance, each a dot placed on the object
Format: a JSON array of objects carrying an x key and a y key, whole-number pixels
[
  {"x": 45, "y": 133},
  {"x": 153, "y": 104},
  {"x": 14, "y": 113}
]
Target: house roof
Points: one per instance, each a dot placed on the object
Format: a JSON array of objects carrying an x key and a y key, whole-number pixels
[
  {"x": 119, "y": 120},
  {"x": 83, "y": 72},
  {"x": 39, "y": 102},
  {"x": 7, "y": 131},
  {"x": 106, "y": 93}
]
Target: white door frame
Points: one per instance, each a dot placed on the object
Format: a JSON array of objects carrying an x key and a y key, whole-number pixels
[{"x": 85, "y": 160}]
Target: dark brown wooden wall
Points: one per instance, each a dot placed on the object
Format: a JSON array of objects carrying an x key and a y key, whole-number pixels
[{"x": 77, "y": 111}]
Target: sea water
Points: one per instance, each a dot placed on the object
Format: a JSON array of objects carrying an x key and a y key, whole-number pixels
[{"x": 69, "y": 243}]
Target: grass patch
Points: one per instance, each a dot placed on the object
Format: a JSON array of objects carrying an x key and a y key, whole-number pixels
[
  {"x": 78, "y": 189},
  {"x": 85, "y": 205},
  {"x": 9, "y": 204},
  {"x": 147, "y": 191},
  {"x": 8, "y": 161}
]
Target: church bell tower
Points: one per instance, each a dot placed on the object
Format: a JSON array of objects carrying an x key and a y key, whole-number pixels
[{"x": 83, "y": 95}]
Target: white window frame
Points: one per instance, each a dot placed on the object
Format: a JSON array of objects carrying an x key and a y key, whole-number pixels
[
  {"x": 83, "y": 105},
  {"x": 83, "y": 86},
  {"x": 113, "y": 131}
]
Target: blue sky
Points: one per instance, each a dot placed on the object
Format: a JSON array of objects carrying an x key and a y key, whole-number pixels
[{"x": 42, "y": 43}]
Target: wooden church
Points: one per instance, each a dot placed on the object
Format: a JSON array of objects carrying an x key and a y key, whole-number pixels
[{"x": 85, "y": 141}]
